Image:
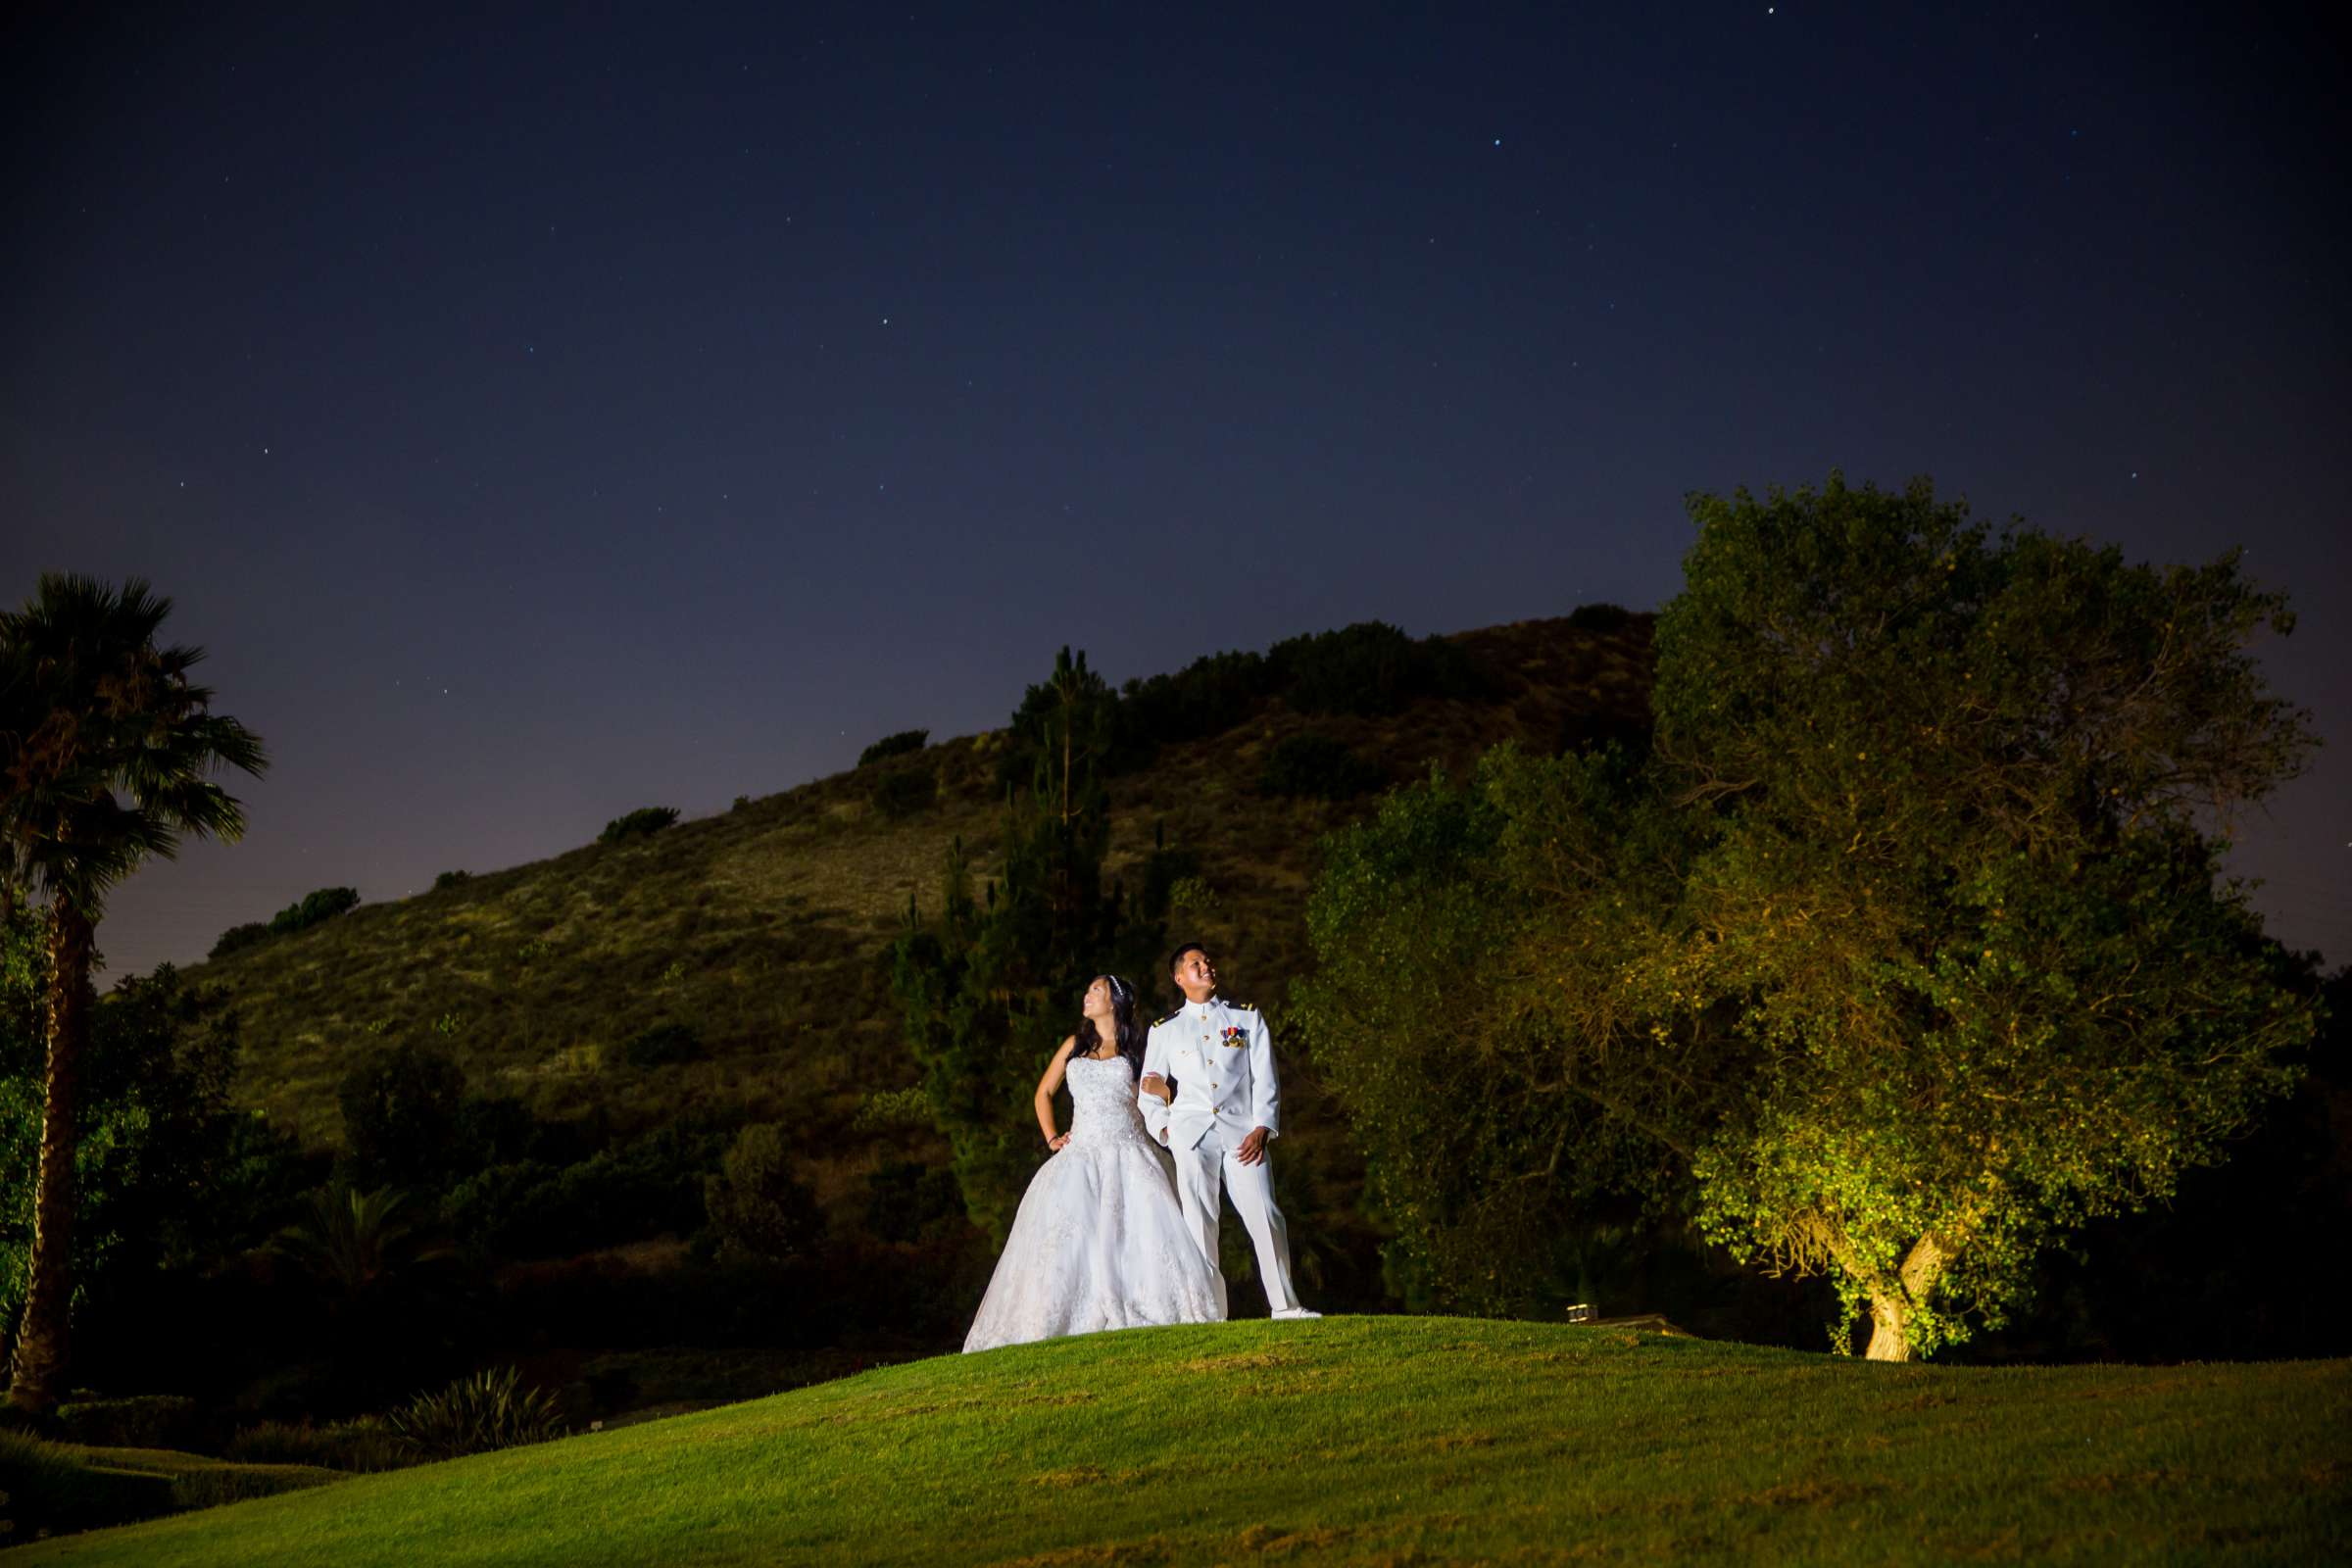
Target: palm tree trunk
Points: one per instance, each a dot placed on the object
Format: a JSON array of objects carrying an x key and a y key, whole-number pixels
[{"x": 39, "y": 1375}]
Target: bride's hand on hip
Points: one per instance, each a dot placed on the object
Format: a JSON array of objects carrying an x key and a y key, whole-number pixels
[{"x": 1056, "y": 1141}]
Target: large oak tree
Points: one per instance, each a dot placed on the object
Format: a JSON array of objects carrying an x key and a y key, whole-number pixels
[{"x": 1904, "y": 948}]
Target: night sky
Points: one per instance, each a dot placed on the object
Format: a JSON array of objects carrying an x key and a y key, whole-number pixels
[{"x": 626, "y": 406}]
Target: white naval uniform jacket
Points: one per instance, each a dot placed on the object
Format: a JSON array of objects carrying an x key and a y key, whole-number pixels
[{"x": 1222, "y": 1081}]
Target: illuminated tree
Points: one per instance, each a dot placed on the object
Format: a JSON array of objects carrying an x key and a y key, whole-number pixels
[{"x": 1903, "y": 950}]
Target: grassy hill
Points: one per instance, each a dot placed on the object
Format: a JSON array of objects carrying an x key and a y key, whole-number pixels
[
  {"x": 761, "y": 928},
  {"x": 1372, "y": 1440}
]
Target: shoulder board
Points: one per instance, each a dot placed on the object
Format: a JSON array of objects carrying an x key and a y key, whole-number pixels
[
  {"x": 1170, "y": 1018},
  {"x": 1242, "y": 1006}
]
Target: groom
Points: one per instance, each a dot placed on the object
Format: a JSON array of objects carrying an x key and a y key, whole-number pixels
[{"x": 1227, "y": 1106}]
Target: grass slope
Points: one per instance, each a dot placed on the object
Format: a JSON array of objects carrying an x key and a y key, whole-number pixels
[{"x": 1372, "y": 1440}]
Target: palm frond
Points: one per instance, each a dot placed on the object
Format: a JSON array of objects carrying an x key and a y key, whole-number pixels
[{"x": 106, "y": 747}]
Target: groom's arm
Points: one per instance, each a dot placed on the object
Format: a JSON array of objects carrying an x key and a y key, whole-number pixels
[
  {"x": 1265, "y": 1090},
  {"x": 1154, "y": 1108}
]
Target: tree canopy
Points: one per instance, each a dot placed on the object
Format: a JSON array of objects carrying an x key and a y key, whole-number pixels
[
  {"x": 1904, "y": 949},
  {"x": 989, "y": 988}
]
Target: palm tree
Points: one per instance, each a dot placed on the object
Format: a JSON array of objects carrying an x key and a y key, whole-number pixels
[
  {"x": 105, "y": 747},
  {"x": 349, "y": 1239}
]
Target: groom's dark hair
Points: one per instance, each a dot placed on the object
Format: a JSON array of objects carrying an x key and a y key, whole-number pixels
[{"x": 1177, "y": 958}]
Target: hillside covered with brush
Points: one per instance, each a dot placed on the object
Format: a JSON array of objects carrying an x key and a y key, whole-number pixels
[{"x": 731, "y": 970}]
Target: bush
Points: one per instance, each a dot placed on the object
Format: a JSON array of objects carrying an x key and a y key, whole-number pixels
[
  {"x": 365, "y": 1444},
  {"x": 1164, "y": 872},
  {"x": 401, "y": 1110},
  {"x": 51, "y": 1491},
  {"x": 1590, "y": 732},
  {"x": 238, "y": 937},
  {"x": 899, "y": 745},
  {"x": 147, "y": 1421},
  {"x": 215, "y": 1486},
  {"x": 155, "y": 1128},
  {"x": 663, "y": 1044},
  {"x": 904, "y": 791},
  {"x": 534, "y": 1209},
  {"x": 1601, "y": 617},
  {"x": 906, "y": 1201},
  {"x": 477, "y": 1414},
  {"x": 1371, "y": 668},
  {"x": 1208, "y": 697},
  {"x": 313, "y": 908},
  {"x": 756, "y": 1206},
  {"x": 644, "y": 822},
  {"x": 888, "y": 1109},
  {"x": 1316, "y": 767},
  {"x": 450, "y": 879}
]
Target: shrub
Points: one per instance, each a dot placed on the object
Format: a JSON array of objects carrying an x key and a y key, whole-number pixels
[
  {"x": 400, "y": 1106},
  {"x": 644, "y": 822},
  {"x": 889, "y": 1109},
  {"x": 365, "y": 1444},
  {"x": 899, "y": 745},
  {"x": 1319, "y": 766},
  {"x": 1590, "y": 732},
  {"x": 663, "y": 1044},
  {"x": 238, "y": 937},
  {"x": 1208, "y": 697},
  {"x": 213, "y": 1488},
  {"x": 313, "y": 908},
  {"x": 450, "y": 879},
  {"x": 497, "y": 1127},
  {"x": 474, "y": 1415},
  {"x": 906, "y": 1201},
  {"x": 51, "y": 1490},
  {"x": 1372, "y": 668},
  {"x": 145, "y": 1421},
  {"x": 1601, "y": 617},
  {"x": 904, "y": 791},
  {"x": 533, "y": 1208},
  {"x": 1164, "y": 872},
  {"x": 756, "y": 1204}
]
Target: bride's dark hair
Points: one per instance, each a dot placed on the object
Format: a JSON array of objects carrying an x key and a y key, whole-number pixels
[{"x": 1123, "y": 1021}]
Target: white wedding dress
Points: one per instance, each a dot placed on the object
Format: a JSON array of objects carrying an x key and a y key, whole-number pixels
[{"x": 1099, "y": 1242}]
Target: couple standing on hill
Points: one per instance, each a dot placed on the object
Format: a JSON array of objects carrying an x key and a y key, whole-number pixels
[{"x": 1119, "y": 1228}]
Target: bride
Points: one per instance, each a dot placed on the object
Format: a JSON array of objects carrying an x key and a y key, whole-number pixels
[{"x": 1099, "y": 1242}]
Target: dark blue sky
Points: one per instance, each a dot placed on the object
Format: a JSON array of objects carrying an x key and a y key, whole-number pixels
[{"x": 544, "y": 419}]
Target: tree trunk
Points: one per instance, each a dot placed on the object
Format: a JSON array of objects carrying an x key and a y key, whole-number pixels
[
  {"x": 1889, "y": 1333},
  {"x": 1893, "y": 1302},
  {"x": 39, "y": 1375}
]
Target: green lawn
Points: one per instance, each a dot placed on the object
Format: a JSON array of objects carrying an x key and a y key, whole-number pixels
[{"x": 1372, "y": 1440}]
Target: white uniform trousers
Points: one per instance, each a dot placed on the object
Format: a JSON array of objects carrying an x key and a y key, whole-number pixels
[{"x": 1199, "y": 1173}]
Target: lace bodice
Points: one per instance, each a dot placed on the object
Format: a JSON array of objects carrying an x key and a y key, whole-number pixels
[{"x": 1102, "y": 1102}]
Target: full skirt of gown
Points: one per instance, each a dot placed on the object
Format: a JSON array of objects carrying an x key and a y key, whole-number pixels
[{"x": 1100, "y": 1240}]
